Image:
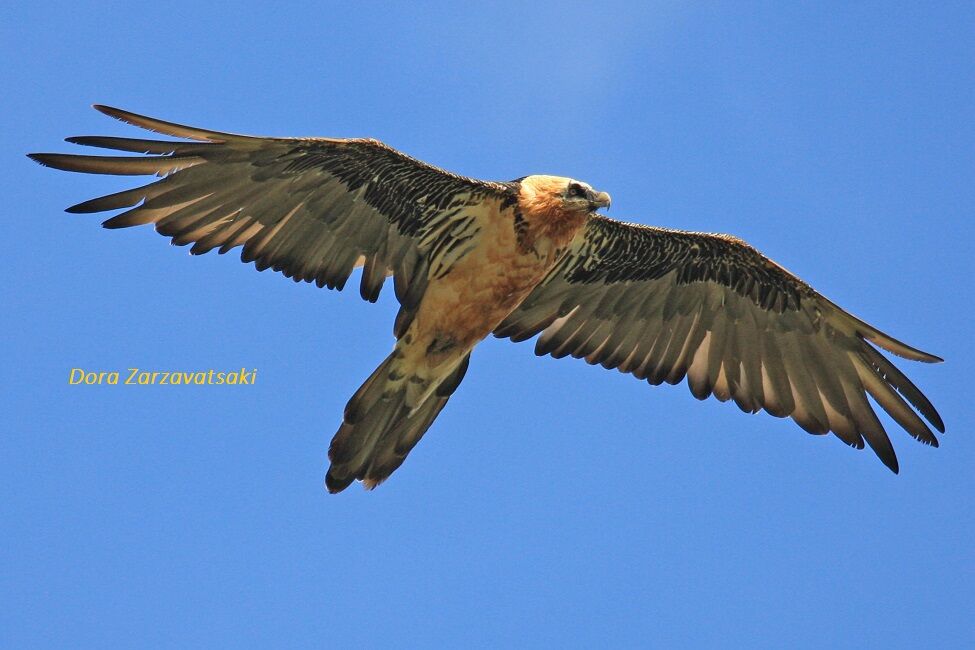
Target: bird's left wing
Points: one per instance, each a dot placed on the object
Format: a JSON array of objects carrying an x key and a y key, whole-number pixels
[
  {"x": 311, "y": 208},
  {"x": 663, "y": 304}
]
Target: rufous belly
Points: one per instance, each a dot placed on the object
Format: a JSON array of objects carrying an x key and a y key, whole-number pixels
[{"x": 463, "y": 307}]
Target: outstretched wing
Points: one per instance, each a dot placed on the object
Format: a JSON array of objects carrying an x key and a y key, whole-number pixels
[
  {"x": 663, "y": 304},
  {"x": 311, "y": 208}
]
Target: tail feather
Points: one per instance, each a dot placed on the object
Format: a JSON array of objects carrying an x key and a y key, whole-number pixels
[
  {"x": 399, "y": 441},
  {"x": 383, "y": 422}
]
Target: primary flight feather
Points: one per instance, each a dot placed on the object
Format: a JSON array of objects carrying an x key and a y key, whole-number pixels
[{"x": 520, "y": 258}]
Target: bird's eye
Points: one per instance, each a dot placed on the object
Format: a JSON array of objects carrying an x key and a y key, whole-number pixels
[{"x": 576, "y": 191}]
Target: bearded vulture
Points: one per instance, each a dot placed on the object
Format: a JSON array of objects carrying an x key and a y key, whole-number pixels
[{"x": 470, "y": 258}]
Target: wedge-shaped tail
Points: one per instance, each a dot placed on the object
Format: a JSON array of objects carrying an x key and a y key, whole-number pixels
[{"x": 385, "y": 419}]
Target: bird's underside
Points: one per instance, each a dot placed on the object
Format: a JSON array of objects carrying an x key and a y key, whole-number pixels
[{"x": 518, "y": 258}]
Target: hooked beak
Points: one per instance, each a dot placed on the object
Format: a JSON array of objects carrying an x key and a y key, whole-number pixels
[{"x": 599, "y": 200}]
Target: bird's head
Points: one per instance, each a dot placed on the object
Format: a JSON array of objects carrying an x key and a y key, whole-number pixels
[{"x": 555, "y": 194}]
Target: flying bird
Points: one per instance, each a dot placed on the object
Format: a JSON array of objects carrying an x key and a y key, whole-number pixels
[{"x": 470, "y": 258}]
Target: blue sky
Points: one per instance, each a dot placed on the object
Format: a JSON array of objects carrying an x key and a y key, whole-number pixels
[{"x": 552, "y": 504}]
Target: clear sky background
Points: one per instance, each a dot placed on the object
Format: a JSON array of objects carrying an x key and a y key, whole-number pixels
[{"x": 552, "y": 504}]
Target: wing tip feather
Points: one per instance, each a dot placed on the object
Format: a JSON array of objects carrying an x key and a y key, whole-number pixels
[
  {"x": 41, "y": 158},
  {"x": 112, "y": 111},
  {"x": 893, "y": 465},
  {"x": 168, "y": 128}
]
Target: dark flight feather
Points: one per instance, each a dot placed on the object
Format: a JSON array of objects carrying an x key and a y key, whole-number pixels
[
  {"x": 310, "y": 208},
  {"x": 738, "y": 326}
]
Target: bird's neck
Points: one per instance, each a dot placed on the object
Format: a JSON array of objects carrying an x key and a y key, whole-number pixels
[{"x": 544, "y": 218}]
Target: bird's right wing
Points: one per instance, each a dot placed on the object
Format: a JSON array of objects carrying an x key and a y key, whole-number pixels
[
  {"x": 664, "y": 305},
  {"x": 311, "y": 208}
]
